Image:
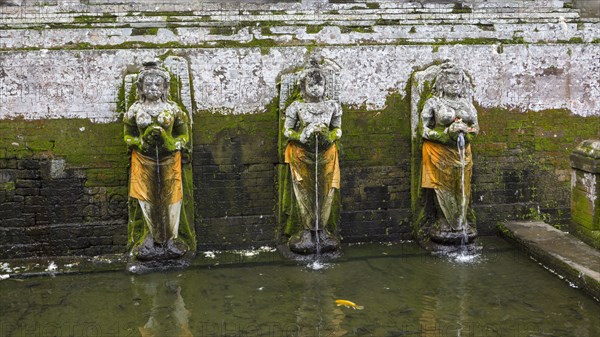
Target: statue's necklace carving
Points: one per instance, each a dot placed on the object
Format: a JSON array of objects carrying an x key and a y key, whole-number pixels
[
  {"x": 453, "y": 103},
  {"x": 154, "y": 109}
]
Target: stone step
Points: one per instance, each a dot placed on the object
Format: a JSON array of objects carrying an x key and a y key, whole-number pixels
[
  {"x": 211, "y": 8},
  {"x": 194, "y": 36},
  {"x": 380, "y": 18},
  {"x": 559, "y": 252}
]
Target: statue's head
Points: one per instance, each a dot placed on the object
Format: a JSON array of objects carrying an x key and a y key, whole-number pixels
[
  {"x": 312, "y": 82},
  {"x": 153, "y": 82},
  {"x": 451, "y": 81}
]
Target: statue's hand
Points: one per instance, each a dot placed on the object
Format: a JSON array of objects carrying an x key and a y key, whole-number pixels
[
  {"x": 169, "y": 144},
  {"x": 333, "y": 135},
  {"x": 307, "y": 133},
  {"x": 291, "y": 134},
  {"x": 134, "y": 143},
  {"x": 153, "y": 135},
  {"x": 456, "y": 128},
  {"x": 311, "y": 130}
]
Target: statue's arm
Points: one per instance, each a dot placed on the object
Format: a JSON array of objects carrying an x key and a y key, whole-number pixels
[
  {"x": 335, "y": 127},
  {"x": 291, "y": 119},
  {"x": 474, "y": 127},
  {"x": 431, "y": 131},
  {"x": 181, "y": 130},
  {"x": 130, "y": 130}
]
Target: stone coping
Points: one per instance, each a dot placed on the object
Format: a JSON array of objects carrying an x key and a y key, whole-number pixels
[{"x": 559, "y": 252}]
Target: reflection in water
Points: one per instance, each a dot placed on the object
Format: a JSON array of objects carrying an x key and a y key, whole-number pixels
[
  {"x": 317, "y": 314},
  {"x": 168, "y": 315}
]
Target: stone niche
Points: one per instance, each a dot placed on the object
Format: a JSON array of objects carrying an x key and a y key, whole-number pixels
[{"x": 585, "y": 191}]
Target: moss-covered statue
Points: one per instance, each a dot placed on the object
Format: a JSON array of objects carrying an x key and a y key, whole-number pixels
[
  {"x": 449, "y": 122},
  {"x": 157, "y": 132},
  {"x": 312, "y": 127}
]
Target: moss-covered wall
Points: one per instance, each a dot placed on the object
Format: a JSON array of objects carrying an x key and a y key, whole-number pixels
[
  {"x": 521, "y": 164},
  {"x": 375, "y": 165},
  {"x": 234, "y": 164},
  {"x": 63, "y": 183},
  {"x": 63, "y": 188}
]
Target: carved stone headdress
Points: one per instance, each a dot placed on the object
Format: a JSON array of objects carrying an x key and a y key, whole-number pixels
[
  {"x": 153, "y": 68},
  {"x": 317, "y": 68},
  {"x": 441, "y": 78},
  {"x": 313, "y": 73}
]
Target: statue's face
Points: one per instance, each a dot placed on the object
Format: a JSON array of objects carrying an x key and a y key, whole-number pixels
[
  {"x": 153, "y": 87},
  {"x": 314, "y": 88},
  {"x": 452, "y": 86}
]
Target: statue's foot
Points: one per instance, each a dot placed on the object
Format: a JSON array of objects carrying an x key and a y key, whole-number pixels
[
  {"x": 147, "y": 250},
  {"x": 328, "y": 243},
  {"x": 175, "y": 248},
  {"x": 447, "y": 235},
  {"x": 302, "y": 243}
]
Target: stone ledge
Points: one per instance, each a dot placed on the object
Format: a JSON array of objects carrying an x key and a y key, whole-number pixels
[{"x": 559, "y": 252}]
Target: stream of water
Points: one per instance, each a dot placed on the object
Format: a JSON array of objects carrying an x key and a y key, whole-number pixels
[
  {"x": 462, "y": 221},
  {"x": 317, "y": 212}
]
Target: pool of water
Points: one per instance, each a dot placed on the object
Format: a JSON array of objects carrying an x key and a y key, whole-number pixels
[{"x": 404, "y": 291}]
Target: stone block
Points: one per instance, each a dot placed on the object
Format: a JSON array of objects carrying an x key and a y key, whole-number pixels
[{"x": 585, "y": 185}]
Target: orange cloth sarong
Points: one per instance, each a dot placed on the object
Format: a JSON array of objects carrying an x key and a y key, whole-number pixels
[
  {"x": 441, "y": 166},
  {"x": 296, "y": 156},
  {"x": 156, "y": 183}
]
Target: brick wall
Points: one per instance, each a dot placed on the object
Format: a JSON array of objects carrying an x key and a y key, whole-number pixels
[{"x": 62, "y": 190}]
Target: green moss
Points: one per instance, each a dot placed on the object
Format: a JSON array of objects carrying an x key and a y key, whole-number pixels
[
  {"x": 144, "y": 31},
  {"x": 460, "y": 8},
  {"x": 224, "y": 30},
  {"x": 121, "y": 105},
  {"x": 98, "y": 145},
  {"x": 386, "y": 22},
  {"x": 215, "y": 125},
  {"x": 373, "y": 138},
  {"x": 412, "y": 30},
  {"x": 7, "y": 186},
  {"x": 131, "y": 97},
  {"x": 105, "y": 18},
  {"x": 265, "y": 31},
  {"x": 313, "y": 29},
  {"x": 357, "y": 29},
  {"x": 576, "y": 40},
  {"x": 372, "y": 5},
  {"x": 486, "y": 26},
  {"x": 168, "y": 13}
]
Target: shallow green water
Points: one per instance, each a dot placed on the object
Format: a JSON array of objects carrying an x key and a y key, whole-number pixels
[{"x": 404, "y": 291}]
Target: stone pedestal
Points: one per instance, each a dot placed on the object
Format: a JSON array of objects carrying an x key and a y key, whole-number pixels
[{"x": 585, "y": 191}]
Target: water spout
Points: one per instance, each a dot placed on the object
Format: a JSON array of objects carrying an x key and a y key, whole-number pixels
[
  {"x": 317, "y": 197},
  {"x": 462, "y": 221},
  {"x": 161, "y": 211}
]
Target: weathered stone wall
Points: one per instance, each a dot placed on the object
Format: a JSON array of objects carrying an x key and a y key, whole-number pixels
[{"x": 63, "y": 164}]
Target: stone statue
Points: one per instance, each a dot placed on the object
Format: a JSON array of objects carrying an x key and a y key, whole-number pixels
[
  {"x": 312, "y": 127},
  {"x": 157, "y": 132},
  {"x": 449, "y": 122}
]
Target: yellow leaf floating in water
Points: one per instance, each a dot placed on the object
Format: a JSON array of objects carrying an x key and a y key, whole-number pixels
[{"x": 348, "y": 304}]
